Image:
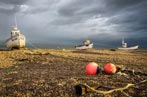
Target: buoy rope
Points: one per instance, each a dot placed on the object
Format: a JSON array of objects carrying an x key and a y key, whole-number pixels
[
  {"x": 113, "y": 90},
  {"x": 32, "y": 45}
]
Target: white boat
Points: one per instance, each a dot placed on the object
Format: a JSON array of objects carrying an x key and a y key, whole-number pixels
[
  {"x": 16, "y": 40},
  {"x": 125, "y": 47},
  {"x": 87, "y": 45}
]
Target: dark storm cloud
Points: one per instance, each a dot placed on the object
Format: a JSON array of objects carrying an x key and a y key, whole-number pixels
[
  {"x": 71, "y": 8},
  {"x": 81, "y": 10},
  {"x": 77, "y": 11},
  {"x": 12, "y": 10},
  {"x": 119, "y": 4},
  {"x": 132, "y": 19},
  {"x": 14, "y": 2},
  {"x": 11, "y": 6},
  {"x": 82, "y": 7}
]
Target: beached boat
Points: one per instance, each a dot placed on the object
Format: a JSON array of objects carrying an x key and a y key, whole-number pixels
[
  {"x": 16, "y": 40},
  {"x": 87, "y": 44},
  {"x": 125, "y": 47}
]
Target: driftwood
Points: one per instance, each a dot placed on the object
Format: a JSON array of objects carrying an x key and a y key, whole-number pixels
[{"x": 82, "y": 89}]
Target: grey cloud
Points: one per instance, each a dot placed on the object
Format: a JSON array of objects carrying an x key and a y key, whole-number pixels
[
  {"x": 122, "y": 3},
  {"x": 85, "y": 9},
  {"x": 118, "y": 5},
  {"x": 14, "y": 2},
  {"x": 34, "y": 11},
  {"x": 76, "y": 12},
  {"x": 64, "y": 21},
  {"x": 132, "y": 19},
  {"x": 39, "y": 7},
  {"x": 11, "y": 6},
  {"x": 93, "y": 7},
  {"x": 81, "y": 8}
]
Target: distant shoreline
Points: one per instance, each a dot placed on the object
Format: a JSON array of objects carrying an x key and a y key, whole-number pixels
[
  {"x": 2, "y": 47},
  {"x": 34, "y": 46},
  {"x": 48, "y": 48}
]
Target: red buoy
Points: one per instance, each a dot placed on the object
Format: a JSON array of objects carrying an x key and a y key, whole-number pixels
[
  {"x": 91, "y": 68},
  {"x": 110, "y": 68}
]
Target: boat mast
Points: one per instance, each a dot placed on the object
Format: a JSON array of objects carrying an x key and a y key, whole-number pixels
[
  {"x": 124, "y": 45},
  {"x": 123, "y": 40},
  {"x": 15, "y": 22},
  {"x": 15, "y": 30}
]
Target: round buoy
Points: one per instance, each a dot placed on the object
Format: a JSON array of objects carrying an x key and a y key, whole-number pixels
[
  {"x": 91, "y": 68},
  {"x": 110, "y": 68}
]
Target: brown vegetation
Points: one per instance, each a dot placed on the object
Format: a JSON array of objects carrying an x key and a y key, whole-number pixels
[{"x": 52, "y": 73}]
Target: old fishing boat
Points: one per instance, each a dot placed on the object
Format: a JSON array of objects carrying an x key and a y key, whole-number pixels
[
  {"x": 16, "y": 40},
  {"x": 125, "y": 47},
  {"x": 87, "y": 44}
]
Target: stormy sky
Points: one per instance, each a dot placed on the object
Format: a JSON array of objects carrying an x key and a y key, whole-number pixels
[{"x": 69, "y": 22}]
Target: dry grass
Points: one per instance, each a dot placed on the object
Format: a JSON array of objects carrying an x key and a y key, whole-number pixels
[{"x": 52, "y": 73}]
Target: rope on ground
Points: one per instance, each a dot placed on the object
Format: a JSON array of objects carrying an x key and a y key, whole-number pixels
[{"x": 84, "y": 88}]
